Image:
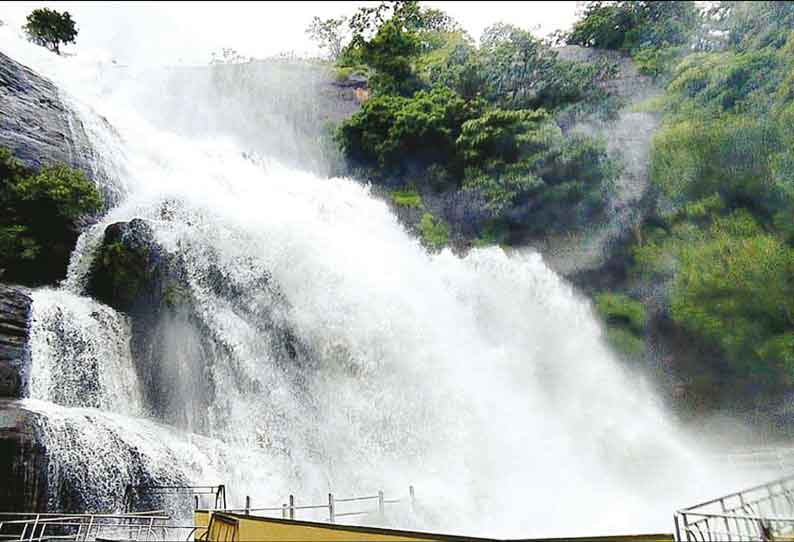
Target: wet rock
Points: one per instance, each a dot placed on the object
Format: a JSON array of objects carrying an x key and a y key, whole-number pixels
[
  {"x": 129, "y": 270},
  {"x": 15, "y": 304},
  {"x": 23, "y": 460},
  {"x": 35, "y": 123},
  {"x": 173, "y": 345}
]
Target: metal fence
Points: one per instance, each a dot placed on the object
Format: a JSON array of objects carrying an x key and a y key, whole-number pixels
[
  {"x": 335, "y": 507},
  {"x": 760, "y": 513},
  {"x": 143, "y": 526},
  {"x": 134, "y": 495}
]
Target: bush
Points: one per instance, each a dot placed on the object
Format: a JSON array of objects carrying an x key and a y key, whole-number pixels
[
  {"x": 396, "y": 136},
  {"x": 625, "y": 343},
  {"x": 39, "y": 209},
  {"x": 435, "y": 234},
  {"x": 533, "y": 176},
  {"x": 735, "y": 289},
  {"x": 625, "y": 320},
  {"x": 407, "y": 198},
  {"x": 731, "y": 157},
  {"x": 621, "y": 310}
]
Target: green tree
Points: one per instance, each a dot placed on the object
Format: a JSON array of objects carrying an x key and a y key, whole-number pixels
[
  {"x": 50, "y": 28},
  {"x": 397, "y": 136},
  {"x": 632, "y": 25},
  {"x": 530, "y": 173},
  {"x": 329, "y": 34}
]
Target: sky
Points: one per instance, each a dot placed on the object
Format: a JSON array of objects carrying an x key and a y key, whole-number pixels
[{"x": 187, "y": 33}]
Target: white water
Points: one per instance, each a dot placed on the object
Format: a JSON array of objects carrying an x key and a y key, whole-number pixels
[{"x": 483, "y": 380}]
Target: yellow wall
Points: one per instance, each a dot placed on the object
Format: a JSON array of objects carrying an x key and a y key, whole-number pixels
[
  {"x": 231, "y": 527},
  {"x": 201, "y": 519}
]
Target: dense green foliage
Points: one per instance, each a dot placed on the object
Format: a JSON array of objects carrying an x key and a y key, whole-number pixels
[
  {"x": 50, "y": 28},
  {"x": 435, "y": 233},
  {"x": 722, "y": 166},
  {"x": 634, "y": 25},
  {"x": 626, "y": 319},
  {"x": 39, "y": 209},
  {"x": 735, "y": 288},
  {"x": 401, "y": 137},
  {"x": 653, "y": 32},
  {"x": 448, "y": 115},
  {"x": 407, "y": 198}
]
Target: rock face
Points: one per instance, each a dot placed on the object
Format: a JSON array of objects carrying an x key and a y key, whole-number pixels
[
  {"x": 35, "y": 123},
  {"x": 23, "y": 461},
  {"x": 14, "y": 333}
]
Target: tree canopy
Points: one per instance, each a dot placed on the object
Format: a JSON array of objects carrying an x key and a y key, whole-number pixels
[{"x": 50, "y": 28}]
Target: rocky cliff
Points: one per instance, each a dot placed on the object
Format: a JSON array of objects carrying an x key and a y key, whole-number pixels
[
  {"x": 14, "y": 333},
  {"x": 37, "y": 125},
  {"x": 23, "y": 460}
]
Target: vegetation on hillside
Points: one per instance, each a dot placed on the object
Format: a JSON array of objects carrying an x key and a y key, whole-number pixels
[
  {"x": 721, "y": 234},
  {"x": 38, "y": 210},
  {"x": 716, "y": 249},
  {"x": 447, "y": 115}
]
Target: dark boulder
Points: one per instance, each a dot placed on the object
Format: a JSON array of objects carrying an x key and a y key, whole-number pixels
[
  {"x": 23, "y": 460},
  {"x": 130, "y": 272},
  {"x": 15, "y": 306}
]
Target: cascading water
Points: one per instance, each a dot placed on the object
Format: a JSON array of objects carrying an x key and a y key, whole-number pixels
[{"x": 482, "y": 380}]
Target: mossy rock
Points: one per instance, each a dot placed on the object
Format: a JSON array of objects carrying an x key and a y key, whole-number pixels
[{"x": 124, "y": 265}]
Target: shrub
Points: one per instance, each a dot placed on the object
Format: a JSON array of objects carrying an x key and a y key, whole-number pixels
[
  {"x": 735, "y": 289},
  {"x": 406, "y": 198},
  {"x": 39, "y": 209},
  {"x": 435, "y": 234},
  {"x": 397, "y": 136},
  {"x": 620, "y": 309},
  {"x": 530, "y": 174},
  {"x": 625, "y": 343},
  {"x": 625, "y": 320}
]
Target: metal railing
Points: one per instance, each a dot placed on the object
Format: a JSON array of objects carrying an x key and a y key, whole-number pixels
[
  {"x": 760, "y": 513},
  {"x": 767, "y": 459},
  {"x": 335, "y": 507},
  {"x": 142, "y": 526},
  {"x": 135, "y": 493}
]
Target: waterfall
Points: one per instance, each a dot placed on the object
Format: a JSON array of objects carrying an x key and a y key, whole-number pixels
[{"x": 326, "y": 350}]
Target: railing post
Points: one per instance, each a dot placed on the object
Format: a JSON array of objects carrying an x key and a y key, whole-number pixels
[
  {"x": 283, "y": 511},
  {"x": 725, "y": 518},
  {"x": 291, "y": 507},
  {"x": 331, "y": 511},
  {"x": 90, "y": 524},
  {"x": 686, "y": 526},
  {"x": 35, "y": 524},
  {"x": 413, "y": 499},
  {"x": 221, "y": 495},
  {"x": 381, "y": 507},
  {"x": 247, "y": 505},
  {"x": 196, "y": 502}
]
